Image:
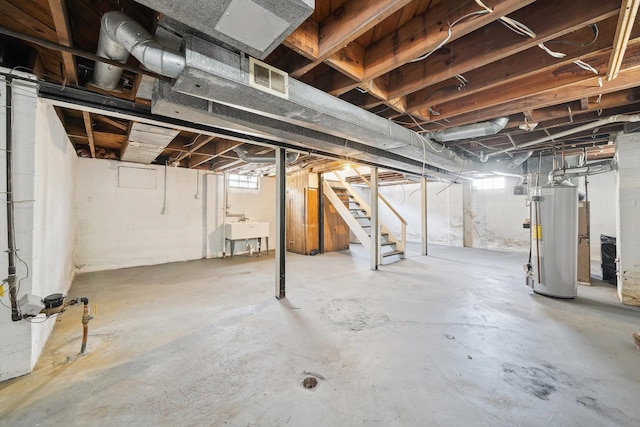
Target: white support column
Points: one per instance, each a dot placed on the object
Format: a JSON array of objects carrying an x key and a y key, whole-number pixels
[
  {"x": 281, "y": 238},
  {"x": 628, "y": 239},
  {"x": 375, "y": 224},
  {"x": 423, "y": 215}
]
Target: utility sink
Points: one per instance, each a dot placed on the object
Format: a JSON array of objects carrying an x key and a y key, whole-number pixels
[{"x": 246, "y": 230}]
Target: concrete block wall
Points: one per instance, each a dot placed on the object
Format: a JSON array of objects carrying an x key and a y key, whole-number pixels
[
  {"x": 44, "y": 169},
  {"x": 493, "y": 218},
  {"x": 258, "y": 206},
  {"x": 628, "y": 218},
  {"x": 603, "y": 210},
  {"x": 444, "y": 211},
  {"x": 121, "y": 227}
]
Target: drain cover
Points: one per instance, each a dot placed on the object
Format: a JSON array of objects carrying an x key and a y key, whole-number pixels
[{"x": 310, "y": 382}]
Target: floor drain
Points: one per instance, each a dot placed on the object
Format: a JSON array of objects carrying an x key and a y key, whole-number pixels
[{"x": 310, "y": 382}]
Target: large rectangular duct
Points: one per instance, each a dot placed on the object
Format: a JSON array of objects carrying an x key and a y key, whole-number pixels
[
  {"x": 167, "y": 102},
  {"x": 219, "y": 75},
  {"x": 146, "y": 142},
  {"x": 256, "y": 27}
]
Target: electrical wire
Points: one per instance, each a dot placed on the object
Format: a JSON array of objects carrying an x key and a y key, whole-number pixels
[
  {"x": 517, "y": 27},
  {"x": 551, "y": 52},
  {"x": 596, "y": 33},
  {"x": 26, "y": 266},
  {"x": 42, "y": 319},
  {"x": 585, "y": 66},
  {"x": 450, "y": 32},
  {"x": 464, "y": 162},
  {"x": 425, "y": 139}
]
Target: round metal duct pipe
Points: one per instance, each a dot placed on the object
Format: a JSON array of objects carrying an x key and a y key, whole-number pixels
[
  {"x": 121, "y": 35},
  {"x": 470, "y": 131}
]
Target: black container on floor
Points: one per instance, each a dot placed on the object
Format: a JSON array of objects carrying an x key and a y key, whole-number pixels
[{"x": 608, "y": 256}]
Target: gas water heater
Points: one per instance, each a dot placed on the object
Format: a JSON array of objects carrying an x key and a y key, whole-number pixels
[{"x": 553, "y": 266}]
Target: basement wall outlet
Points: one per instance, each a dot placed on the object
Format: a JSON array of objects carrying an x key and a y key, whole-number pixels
[{"x": 196, "y": 196}]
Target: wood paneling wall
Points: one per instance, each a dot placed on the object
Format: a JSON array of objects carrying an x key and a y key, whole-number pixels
[
  {"x": 336, "y": 231},
  {"x": 302, "y": 218}
]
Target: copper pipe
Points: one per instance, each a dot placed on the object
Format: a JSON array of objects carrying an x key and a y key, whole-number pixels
[{"x": 85, "y": 324}]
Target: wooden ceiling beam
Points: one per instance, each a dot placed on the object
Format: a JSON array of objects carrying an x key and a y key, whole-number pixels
[
  {"x": 89, "y": 129},
  {"x": 549, "y": 19},
  {"x": 590, "y": 87},
  {"x": 194, "y": 147},
  {"x": 361, "y": 99},
  {"x": 347, "y": 23},
  {"x": 112, "y": 122},
  {"x": 626, "y": 19},
  {"x": 18, "y": 18},
  {"x": 349, "y": 60},
  {"x": 549, "y": 116},
  {"x": 221, "y": 147},
  {"x": 525, "y": 63},
  {"x": 305, "y": 40},
  {"x": 423, "y": 34},
  {"x": 555, "y": 80},
  {"x": 60, "y": 15}
]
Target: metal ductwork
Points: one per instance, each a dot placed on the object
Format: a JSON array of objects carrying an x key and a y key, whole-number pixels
[
  {"x": 469, "y": 131},
  {"x": 519, "y": 159},
  {"x": 263, "y": 158},
  {"x": 218, "y": 87},
  {"x": 256, "y": 27},
  {"x": 121, "y": 35},
  {"x": 223, "y": 78},
  {"x": 594, "y": 168}
]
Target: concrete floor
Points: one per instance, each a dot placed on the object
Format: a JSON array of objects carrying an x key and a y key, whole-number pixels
[{"x": 453, "y": 339}]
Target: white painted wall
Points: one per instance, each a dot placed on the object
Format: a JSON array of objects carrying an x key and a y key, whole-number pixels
[
  {"x": 493, "y": 218},
  {"x": 444, "y": 211},
  {"x": 627, "y": 221},
  {"x": 603, "y": 207},
  {"x": 445, "y": 220},
  {"x": 54, "y": 215},
  {"x": 44, "y": 163},
  {"x": 123, "y": 227},
  {"x": 258, "y": 206}
]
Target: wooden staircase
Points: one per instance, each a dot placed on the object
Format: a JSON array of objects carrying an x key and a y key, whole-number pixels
[{"x": 357, "y": 214}]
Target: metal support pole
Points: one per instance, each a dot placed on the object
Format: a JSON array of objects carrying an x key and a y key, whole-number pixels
[
  {"x": 11, "y": 237},
  {"x": 375, "y": 227},
  {"x": 423, "y": 215},
  {"x": 281, "y": 237}
]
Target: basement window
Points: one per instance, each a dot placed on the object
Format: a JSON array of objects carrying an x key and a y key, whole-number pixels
[
  {"x": 243, "y": 181},
  {"x": 495, "y": 183}
]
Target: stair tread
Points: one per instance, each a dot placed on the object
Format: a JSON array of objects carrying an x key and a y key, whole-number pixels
[
  {"x": 396, "y": 252},
  {"x": 387, "y": 243}
]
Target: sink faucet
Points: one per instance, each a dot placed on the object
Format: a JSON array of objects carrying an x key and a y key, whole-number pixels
[{"x": 243, "y": 218}]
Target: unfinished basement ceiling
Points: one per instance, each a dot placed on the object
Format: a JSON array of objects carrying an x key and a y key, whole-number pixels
[{"x": 427, "y": 65}]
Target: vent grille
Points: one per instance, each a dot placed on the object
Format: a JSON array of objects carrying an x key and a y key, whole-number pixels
[{"x": 268, "y": 79}]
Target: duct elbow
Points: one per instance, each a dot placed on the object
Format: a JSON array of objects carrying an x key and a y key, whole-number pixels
[
  {"x": 496, "y": 125},
  {"x": 520, "y": 159},
  {"x": 121, "y": 36}
]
